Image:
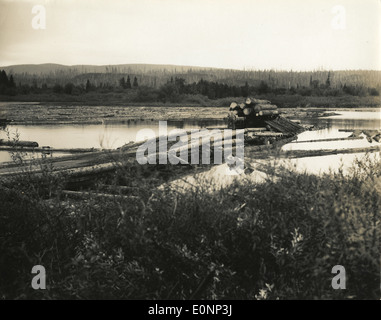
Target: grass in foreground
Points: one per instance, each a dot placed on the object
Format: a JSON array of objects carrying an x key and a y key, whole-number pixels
[{"x": 276, "y": 240}]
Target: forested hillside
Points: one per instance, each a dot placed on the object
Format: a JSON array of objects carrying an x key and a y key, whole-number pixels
[
  {"x": 181, "y": 84},
  {"x": 157, "y": 75}
]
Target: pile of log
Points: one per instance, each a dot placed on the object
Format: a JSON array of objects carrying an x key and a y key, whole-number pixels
[
  {"x": 254, "y": 107},
  {"x": 237, "y": 109},
  {"x": 259, "y": 108}
]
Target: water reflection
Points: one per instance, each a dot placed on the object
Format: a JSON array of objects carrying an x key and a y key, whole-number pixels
[
  {"x": 349, "y": 120},
  {"x": 114, "y": 135},
  {"x": 108, "y": 136},
  {"x": 346, "y": 120}
]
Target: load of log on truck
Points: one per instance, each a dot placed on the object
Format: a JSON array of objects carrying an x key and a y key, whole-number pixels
[{"x": 262, "y": 121}]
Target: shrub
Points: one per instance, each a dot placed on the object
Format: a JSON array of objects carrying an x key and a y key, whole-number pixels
[{"x": 279, "y": 239}]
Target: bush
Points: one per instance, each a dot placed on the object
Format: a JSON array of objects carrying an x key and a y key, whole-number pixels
[
  {"x": 374, "y": 92},
  {"x": 57, "y": 88},
  {"x": 279, "y": 239},
  {"x": 146, "y": 94}
]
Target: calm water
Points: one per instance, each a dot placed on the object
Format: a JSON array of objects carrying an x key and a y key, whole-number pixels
[
  {"x": 350, "y": 120},
  {"x": 108, "y": 136},
  {"x": 116, "y": 135},
  {"x": 346, "y": 120}
]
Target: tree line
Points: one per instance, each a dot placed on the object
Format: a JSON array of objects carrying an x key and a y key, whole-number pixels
[
  {"x": 156, "y": 76},
  {"x": 7, "y": 85},
  {"x": 176, "y": 88}
]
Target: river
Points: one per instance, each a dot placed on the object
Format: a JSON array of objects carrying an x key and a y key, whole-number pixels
[
  {"x": 113, "y": 135},
  {"x": 107, "y": 136}
]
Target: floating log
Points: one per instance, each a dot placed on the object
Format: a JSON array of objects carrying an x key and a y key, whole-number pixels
[
  {"x": 255, "y": 129},
  {"x": 47, "y": 149},
  {"x": 68, "y": 166},
  {"x": 268, "y": 134},
  {"x": 326, "y": 152},
  {"x": 216, "y": 128},
  {"x": 352, "y": 130},
  {"x": 32, "y": 144},
  {"x": 330, "y": 139},
  {"x": 346, "y": 130}
]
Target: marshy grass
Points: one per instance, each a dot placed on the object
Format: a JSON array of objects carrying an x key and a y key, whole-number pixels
[{"x": 275, "y": 240}]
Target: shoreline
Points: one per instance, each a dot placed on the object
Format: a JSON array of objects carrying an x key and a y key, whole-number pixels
[{"x": 43, "y": 113}]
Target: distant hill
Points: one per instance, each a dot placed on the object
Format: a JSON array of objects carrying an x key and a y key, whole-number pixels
[
  {"x": 49, "y": 68},
  {"x": 154, "y": 75}
]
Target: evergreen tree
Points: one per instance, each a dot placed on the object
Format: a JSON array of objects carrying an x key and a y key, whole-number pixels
[
  {"x": 128, "y": 83},
  {"x": 68, "y": 89},
  {"x": 57, "y": 88},
  {"x": 328, "y": 81},
  {"x": 245, "y": 90},
  {"x": 11, "y": 82},
  {"x": 135, "y": 83},
  {"x": 263, "y": 87},
  {"x": 122, "y": 83},
  {"x": 88, "y": 85},
  {"x": 3, "y": 78}
]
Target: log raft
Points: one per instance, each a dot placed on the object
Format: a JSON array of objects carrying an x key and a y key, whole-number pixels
[{"x": 90, "y": 163}]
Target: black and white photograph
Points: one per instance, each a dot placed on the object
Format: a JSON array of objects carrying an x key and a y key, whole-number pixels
[{"x": 190, "y": 153}]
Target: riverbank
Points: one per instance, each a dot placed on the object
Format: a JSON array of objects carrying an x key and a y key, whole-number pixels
[
  {"x": 38, "y": 113},
  {"x": 125, "y": 98}
]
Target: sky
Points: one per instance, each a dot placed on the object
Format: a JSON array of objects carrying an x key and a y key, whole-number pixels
[{"x": 233, "y": 34}]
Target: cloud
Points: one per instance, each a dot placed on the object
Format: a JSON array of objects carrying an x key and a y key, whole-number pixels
[{"x": 291, "y": 34}]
